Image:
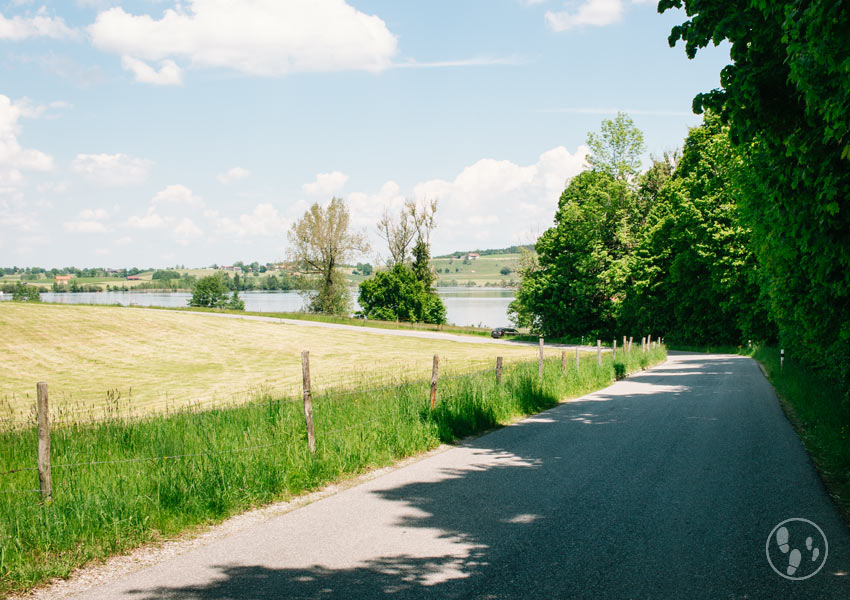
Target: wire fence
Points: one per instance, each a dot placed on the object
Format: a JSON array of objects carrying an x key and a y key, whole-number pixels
[{"x": 387, "y": 380}]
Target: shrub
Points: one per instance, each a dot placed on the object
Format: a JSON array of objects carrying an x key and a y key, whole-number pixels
[{"x": 25, "y": 293}]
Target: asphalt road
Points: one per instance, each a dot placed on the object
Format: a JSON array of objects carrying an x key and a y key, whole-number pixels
[{"x": 666, "y": 485}]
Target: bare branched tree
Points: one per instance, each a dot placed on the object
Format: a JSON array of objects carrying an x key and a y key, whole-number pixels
[
  {"x": 411, "y": 222},
  {"x": 321, "y": 241}
]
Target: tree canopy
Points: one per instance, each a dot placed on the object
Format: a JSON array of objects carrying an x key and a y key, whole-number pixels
[
  {"x": 786, "y": 98},
  {"x": 321, "y": 241}
]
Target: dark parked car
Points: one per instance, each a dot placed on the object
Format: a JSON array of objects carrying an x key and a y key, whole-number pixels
[{"x": 500, "y": 331}]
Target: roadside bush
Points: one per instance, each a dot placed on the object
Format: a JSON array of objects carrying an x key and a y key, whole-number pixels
[
  {"x": 211, "y": 292},
  {"x": 25, "y": 293}
]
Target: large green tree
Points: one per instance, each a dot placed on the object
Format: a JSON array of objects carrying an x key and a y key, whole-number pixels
[
  {"x": 321, "y": 242},
  {"x": 398, "y": 294},
  {"x": 616, "y": 149},
  {"x": 786, "y": 97},
  {"x": 582, "y": 262},
  {"x": 692, "y": 274},
  {"x": 582, "y": 266}
]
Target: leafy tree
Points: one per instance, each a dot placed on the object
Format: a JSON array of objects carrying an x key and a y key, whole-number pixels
[
  {"x": 321, "y": 241},
  {"x": 235, "y": 302},
  {"x": 157, "y": 275},
  {"x": 398, "y": 294},
  {"x": 582, "y": 261},
  {"x": 25, "y": 293},
  {"x": 421, "y": 266},
  {"x": 210, "y": 291},
  {"x": 617, "y": 148},
  {"x": 692, "y": 272},
  {"x": 505, "y": 270},
  {"x": 785, "y": 97}
]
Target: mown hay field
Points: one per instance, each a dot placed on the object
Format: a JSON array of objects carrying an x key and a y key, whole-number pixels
[{"x": 98, "y": 359}]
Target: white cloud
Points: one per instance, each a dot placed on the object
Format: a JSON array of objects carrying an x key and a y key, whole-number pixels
[
  {"x": 256, "y": 37},
  {"x": 151, "y": 220},
  {"x": 186, "y": 232},
  {"x": 613, "y": 111},
  {"x": 263, "y": 221},
  {"x": 111, "y": 169},
  {"x": 97, "y": 214},
  {"x": 13, "y": 158},
  {"x": 326, "y": 184},
  {"x": 124, "y": 240},
  {"x": 19, "y": 28},
  {"x": 85, "y": 226},
  {"x": 233, "y": 174},
  {"x": 591, "y": 12},
  {"x": 493, "y": 202},
  {"x": 479, "y": 61},
  {"x": 177, "y": 194},
  {"x": 169, "y": 73}
]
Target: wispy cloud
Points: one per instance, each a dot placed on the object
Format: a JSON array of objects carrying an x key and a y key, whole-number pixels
[
  {"x": 614, "y": 111},
  {"x": 478, "y": 61}
]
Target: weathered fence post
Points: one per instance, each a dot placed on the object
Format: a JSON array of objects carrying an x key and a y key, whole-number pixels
[
  {"x": 577, "y": 361},
  {"x": 649, "y": 342},
  {"x": 631, "y": 338},
  {"x": 540, "y": 362},
  {"x": 499, "y": 370},
  {"x": 624, "y": 343},
  {"x": 434, "y": 374},
  {"x": 563, "y": 360},
  {"x": 781, "y": 360},
  {"x": 643, "y": 345},
  {"x": 599, "y": 352},
  {"x": 44, "y": 478},
  {"x": 614, "y": 350},
  {"x": 308, "y": 400}
]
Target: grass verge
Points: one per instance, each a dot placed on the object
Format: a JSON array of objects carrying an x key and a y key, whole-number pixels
[{"x": 123, "y": 483}]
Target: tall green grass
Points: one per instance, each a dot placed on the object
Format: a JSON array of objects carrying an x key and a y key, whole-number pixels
[{"x": 121, "y": 483}]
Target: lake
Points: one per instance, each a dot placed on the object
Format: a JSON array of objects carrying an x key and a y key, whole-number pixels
[{"x": 487, "y": 307}]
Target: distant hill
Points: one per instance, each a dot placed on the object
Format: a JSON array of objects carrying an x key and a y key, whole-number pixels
[{"x": 490, "y": 252}]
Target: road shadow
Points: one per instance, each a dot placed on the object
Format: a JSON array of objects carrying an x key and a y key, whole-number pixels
[{"x": 620, "y": 495}]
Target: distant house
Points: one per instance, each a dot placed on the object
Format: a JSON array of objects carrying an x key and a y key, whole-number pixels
[
  {"x": 63, "y": 279},
  {"x": 133, "y": 278},
  {"x": 473, "y": 255}
]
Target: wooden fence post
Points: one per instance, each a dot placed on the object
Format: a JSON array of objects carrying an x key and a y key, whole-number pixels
[
  {"x": 498, "y": 370},
  {"x": 577, "y": 361},
  {"x": 563, "y": 360},
  {"x": 643, "y": 345},
  {"x": 44, "y": 478},
  {"x": 624, "y": 343},
  {"x": 599, "y": 352},
  {"x": 614, "y": 350},
  {"x": 308, "y": 400},
  {"x": 540, "y": 362},
  {"x": 649, "y": 342},
  {"x": 434, "y": 375},
  {"x": 631, "y": 338}
]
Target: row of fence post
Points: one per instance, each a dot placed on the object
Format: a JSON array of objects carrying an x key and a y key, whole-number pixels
[{"x": 44, "y": 474}]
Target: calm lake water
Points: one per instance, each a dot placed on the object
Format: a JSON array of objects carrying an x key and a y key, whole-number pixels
[{"x": 487, "y": 307}]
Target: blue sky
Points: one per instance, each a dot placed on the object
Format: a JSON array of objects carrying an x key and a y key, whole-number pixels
[{"x": 155, "y": 133}]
